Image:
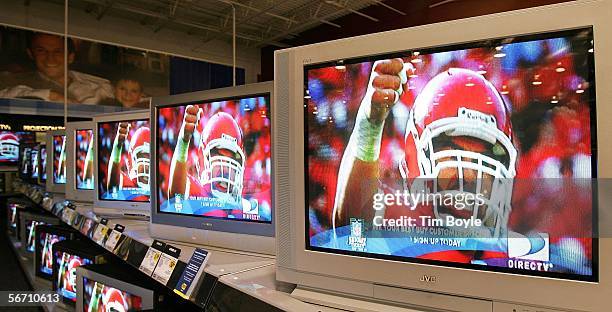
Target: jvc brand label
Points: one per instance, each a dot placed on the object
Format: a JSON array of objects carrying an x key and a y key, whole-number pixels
[{"x": 428, "y": 279}]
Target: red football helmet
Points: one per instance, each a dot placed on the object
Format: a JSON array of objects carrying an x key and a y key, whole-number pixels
[
  {"x": 140, "y": 163},
  {"x": 114, "y": 301},
  {"x": 70, "y": 284},
  {"x": 460, "y": 103},
  {"x": 222, "y": 157},
  {"x": 9, "y": 145}
]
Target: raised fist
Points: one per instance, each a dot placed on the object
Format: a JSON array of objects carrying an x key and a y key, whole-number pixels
[
  {"x": 122, "y": 132},
  {"x": 190, "y": 120},
  {"x": 389, "y": 79}
]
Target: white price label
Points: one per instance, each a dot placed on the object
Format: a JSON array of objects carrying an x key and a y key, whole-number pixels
[
  {"x": 150, "y": 261},
  {"x": 165, "y": 267},
  {"x": 112, "y": 240},
  {"x": 100, "y": 234}
]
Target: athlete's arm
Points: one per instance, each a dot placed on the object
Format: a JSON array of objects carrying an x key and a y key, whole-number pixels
[
  {"x": 88, "y": 167},
  {"x": 114, "y": 162},
  {"x": 178, "y": 166},
  {"x": 358, "y": 174}
]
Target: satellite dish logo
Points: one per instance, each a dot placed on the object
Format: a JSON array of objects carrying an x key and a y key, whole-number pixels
[{"x": 529, "y": 252}]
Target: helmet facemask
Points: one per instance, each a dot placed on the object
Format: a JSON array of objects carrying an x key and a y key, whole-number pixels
[
  {"x": 141, "y": 165},
  {"x": 9, "y": 148},
  {"x": 223, "y": 173},
  {"x": 484, "y": 176}
]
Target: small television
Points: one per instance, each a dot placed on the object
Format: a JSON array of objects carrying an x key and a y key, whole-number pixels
[
  {"x": 112, "y": 288},
  {"x": 213, "y": 152},
  {"x": 34, "y": 156},
  {"x": 13, "y": 214},
  {"x": 69, "y": 255},
  {"x": 80, "y": 186},
  {"x": 42, "y": 164},
  {"x": 508, "y": 108},
  {"x": 56, "y": 155},
  {"x": 122, "y": 162},
  {"x": 25, "y": 162},
  {"x": 10, "y": 141},
  {"x": 46, "y": 237},
  {"x": 29, "y": 221}
]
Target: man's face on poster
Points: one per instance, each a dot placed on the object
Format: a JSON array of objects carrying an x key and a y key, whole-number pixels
[{"x": 47, "y": 51}]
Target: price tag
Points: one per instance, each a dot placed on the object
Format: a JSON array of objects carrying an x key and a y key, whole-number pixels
[
  {"x": 68, "y": 215},
  {"x": 166, "y": 264},
  {"x": 114, "y": 237},
  {"x": 87, "y": 227},
  {"x": 100, "y": 234},
  {"x": 152, "y": 257},
  {"x": 190, "y": 277}
]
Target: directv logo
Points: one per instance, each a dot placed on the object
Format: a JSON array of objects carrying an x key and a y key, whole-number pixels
[{"x": 529, "y": 253}]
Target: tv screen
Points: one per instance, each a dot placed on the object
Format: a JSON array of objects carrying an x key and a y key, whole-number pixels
[
  {"x": 478, "y": 156},
  {"x": 100, "y": 297},
  {"x": 43, "y": 163},
  {"x": 84, "y": 159},
  {"x": 46, "y": 260},
  {"x": 25, "y": 166},
  {"x": 123, "y": 161},
  {"x": 9, "y": 145},
  {"x": 35, "y": 166},
  {"x": 12, "y": 214},
  {"x": 59, "y": 159},
  {"x": 66, "y": 276},
  {"x": 214, "y": 159},
  {"x": 31, "y": 232}
]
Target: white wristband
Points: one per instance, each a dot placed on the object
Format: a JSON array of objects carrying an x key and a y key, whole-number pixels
[{"x": 366, "y": 138}]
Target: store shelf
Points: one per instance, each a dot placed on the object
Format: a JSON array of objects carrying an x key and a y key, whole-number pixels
[{"x": 228, "y": 267}]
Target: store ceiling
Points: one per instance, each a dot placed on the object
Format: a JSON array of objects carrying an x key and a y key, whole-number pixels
[{"x": 258, "y": 22}]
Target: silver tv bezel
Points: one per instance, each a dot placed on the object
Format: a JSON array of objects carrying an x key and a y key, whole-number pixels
[
  {"x": 402, "y": 283},
  {"x": 231, "y": 234},
  {"x": 72, "y": 193},
  {"x": 147, "y": 295},
  {"x": 117, "y": 208},
  {"x": 50, "y": 184}
]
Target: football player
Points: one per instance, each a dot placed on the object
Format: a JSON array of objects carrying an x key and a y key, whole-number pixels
[
  {"x": 458, "y": 140},
  {"x": 9, "y": 146},
  {"x": 88, "y": 166},
  {"x": 220, "y": 165},
  {"x": 138, "y": 161}
]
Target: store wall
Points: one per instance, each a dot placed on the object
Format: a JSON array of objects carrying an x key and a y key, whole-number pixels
[{"x": 119, "y": 31}]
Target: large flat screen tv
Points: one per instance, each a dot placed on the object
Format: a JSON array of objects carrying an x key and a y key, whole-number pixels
[
  {"x": 213, "y": 152},
  {"x": 122, "y": 161},
  {"x": 458, "y": 159},
  {"x": 80, "y": 161}
]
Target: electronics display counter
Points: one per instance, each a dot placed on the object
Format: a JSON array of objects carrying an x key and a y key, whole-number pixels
[{"x": 230, "y": 280}]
